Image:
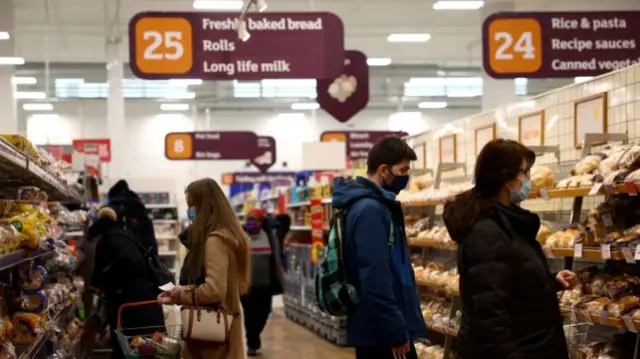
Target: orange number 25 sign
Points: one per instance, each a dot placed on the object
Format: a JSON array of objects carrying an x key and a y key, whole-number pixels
[
  {"x": 513, "y": 46},
  {"x": 163, "y": 45}
]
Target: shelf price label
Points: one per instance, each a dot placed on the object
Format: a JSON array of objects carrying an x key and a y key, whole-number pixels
[
  {"x": 577, "y": 250},
  {"x": 605, "y": 249},
  {"x": 559, "y": 44}
]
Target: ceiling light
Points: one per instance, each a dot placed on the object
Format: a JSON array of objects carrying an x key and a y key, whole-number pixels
[
  {"x": 261, "y": 4},
  {"x": 218, "y": 4},
  {"x": 458, "y": 5},
  {"x": 408, "y": 37},
  {"x": 11, "y": 60},
  {"x": 185, "y": 82},
  {"x": 4, "y": 35},
  {"x": 432, "y": 104},
  {"x": 290, "y": 116},
  {"x": 27, "y": 95},
  {"x": 18, "y": 80},
  {"x": 581, "y": 79},
  {"x": 180, "y": 96},
  {"x": 45, "y": 116},
  {"x": 174, "y": 106},
  {"x": 378, "y": 61},
  {"x": 37, "y": 107},
  {"x": 243, "y": 34},
  {"x": 305, "y": 106}
]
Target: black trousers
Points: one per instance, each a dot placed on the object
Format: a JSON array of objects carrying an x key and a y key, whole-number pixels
[
  {"x": 257, "y": 307},
  {"x": 382, "y": 353}
]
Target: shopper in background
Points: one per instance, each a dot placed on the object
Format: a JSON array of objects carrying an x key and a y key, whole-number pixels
[
  {"x": 509, "y": 303},
  {"x": 218, "y": 267},
  {"x": 388, "y": 317},
  {"x": 266, "y": 276},
  {"x": 121, "y": 273}
]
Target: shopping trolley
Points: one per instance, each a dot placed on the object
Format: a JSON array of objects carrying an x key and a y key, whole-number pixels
[
  {"x": 576, "y": 336},
  {"x": 162, "y": 342}
]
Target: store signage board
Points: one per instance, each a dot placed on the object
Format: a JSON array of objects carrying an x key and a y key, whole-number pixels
[
  {"x": 559, "y": 44},
  {"x": 284, "y": 178},
  {"x": 222, "y": 146},
  {"x": 358, "y": 143},
  {"x": 94, "y": 146},
  {"x": 346, "y": 95},
  {"x": 206, "y": 45}
]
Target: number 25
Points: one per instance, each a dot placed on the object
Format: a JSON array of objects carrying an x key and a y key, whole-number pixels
[
  {"x": 523, "y": 45},
  {"x": 170, "y": 40}
]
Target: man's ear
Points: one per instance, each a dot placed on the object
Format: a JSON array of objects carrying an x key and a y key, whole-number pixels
[{"x": 107, "y": 213}]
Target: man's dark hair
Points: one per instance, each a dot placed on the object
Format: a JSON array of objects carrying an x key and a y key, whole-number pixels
[{"x": 389, "y": 151}]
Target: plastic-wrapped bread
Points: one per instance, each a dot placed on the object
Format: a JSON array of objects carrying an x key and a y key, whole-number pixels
[
  {"x": 543, "y": 233},
  {"x": 615, "y": 177},
  {"x": 633, "y": 176},
  {"x": 623, "y": 305},
  {"x": 542, "y": 177},
  {"x": 631, "y": 158},
  {"x": 588, "y": 165}
]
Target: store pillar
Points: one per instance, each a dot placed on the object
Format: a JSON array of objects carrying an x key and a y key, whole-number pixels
[
  {"x": 115, "y": 110},
  {"x": 8, "y": 106},
  {"x": 497, "y": 92}
]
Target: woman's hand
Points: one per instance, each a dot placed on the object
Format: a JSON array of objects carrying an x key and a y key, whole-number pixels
[
  {"x": 174, "y": 296},
  {"x": 566, "y": 278}
]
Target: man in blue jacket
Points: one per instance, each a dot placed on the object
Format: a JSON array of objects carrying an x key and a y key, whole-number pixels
[{"x": 388, "y": 318}]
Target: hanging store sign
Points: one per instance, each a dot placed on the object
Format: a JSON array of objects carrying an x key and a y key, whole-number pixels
[
  {"x": 358, "y": 143},
  {"x": 346, "y": 95},
  {"x": 100, "y": 147},
  {"x": 559, "y": 44},
  {"x": 278, "y": 178},
  {"x": 210, "y": 46},
  {"x": 222, "y": 146}
]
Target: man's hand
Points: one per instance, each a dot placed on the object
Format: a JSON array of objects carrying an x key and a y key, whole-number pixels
[
  {"x": 567, "y": 279},
  {"x": 401, "y": 351}
]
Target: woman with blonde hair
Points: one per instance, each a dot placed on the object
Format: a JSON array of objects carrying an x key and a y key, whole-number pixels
[{"x": 217, "y": 267}]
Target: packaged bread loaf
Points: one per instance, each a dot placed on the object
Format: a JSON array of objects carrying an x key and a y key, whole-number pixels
[
  {"x": 542, "y": 177},
  {"x": 588, "y": 165},
  {"x": 543, "y": 233},
  {"x": 622, "y": 306}
]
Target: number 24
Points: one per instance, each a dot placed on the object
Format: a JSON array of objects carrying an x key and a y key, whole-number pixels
[
  {"x": 523, "y": 45},
  {"x": 170, "y": 40}
]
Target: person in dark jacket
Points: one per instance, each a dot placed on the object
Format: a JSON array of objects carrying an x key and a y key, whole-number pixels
[
  {"x": 122, "y": 274},
  {"x": 509, "y": 302},
  {"x": 266, "y": 276},
  {"x": 388, "y": 317}
]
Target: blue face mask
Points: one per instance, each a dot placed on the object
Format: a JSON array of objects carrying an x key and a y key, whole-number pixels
[
  {"x": 398, "y": 184},
  {"x": 523, "y": 193},
  {"x": 191, "y": 213}
]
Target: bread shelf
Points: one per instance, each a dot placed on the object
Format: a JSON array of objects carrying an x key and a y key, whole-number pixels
[
  {"x": 439, "y": 288},
  {"x": 17, "y": 167},
  {"x": 546, "y": 194}
]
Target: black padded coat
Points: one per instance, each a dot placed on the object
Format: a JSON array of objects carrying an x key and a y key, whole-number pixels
[{"x": 509, "y": 297}]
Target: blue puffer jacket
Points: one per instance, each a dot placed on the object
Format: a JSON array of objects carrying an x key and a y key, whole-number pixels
[{"x": 389, "y": 310}]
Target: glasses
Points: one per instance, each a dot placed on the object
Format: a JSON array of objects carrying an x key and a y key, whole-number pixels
[{"x": 526, "y": 171}]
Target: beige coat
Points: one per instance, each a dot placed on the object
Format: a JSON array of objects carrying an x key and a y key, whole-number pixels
[{"x": 221, "y": 286}]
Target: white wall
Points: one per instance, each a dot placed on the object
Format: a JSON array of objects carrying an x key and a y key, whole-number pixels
[{"x": 146, "y": 131}]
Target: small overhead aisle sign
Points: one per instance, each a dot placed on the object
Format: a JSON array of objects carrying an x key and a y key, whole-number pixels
[
  {"x": 559, "y": 44},
  {"x": 208, "y": 46}
]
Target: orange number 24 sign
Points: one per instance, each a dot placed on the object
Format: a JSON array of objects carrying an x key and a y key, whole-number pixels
[{"x": 514, "y": 45}]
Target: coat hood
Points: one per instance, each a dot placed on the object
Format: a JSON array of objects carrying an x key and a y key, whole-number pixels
[
  {"x": 345, "y": 192},
  {"x": 510, "y": 218}
]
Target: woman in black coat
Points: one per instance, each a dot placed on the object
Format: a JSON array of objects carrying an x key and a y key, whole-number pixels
[
  {"x": 122, "y": 274},
  {"x": 509, "y": 303}
]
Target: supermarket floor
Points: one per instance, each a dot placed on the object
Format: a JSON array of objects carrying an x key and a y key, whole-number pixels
[{"x": 285, "y": 339}]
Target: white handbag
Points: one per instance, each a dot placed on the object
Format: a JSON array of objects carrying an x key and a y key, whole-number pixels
[{"x": 206, "y": 324}]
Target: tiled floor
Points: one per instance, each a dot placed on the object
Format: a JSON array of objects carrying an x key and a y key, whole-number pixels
[{"x": 283, "y": 339}]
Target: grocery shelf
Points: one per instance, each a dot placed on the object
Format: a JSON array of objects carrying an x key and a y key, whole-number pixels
[
  {"x": 547, "y": 194},
  {"x": 446, "y": 330},
  {"x": 426, "y": 243},
  {"x": 307, "y": 203},
  {"x": 74, "y": 234},
  {"x": 304, "y": 228},
  {"x": 168, "y": 253},
  {"x": 437, "y": 287},
  {"x": 160, "y": 206},
  {"x": 15, "y": 166},
  {"x": 34, "y": 348},
  {"x": 20, "y": 256}
]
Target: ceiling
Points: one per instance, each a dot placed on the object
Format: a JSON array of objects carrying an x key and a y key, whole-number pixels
[
  {"x": 66, "y": 39},
  {"x": 74, "y": 30}
]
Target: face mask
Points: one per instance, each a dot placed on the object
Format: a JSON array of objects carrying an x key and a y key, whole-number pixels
[
  {"x": 523, "y": 193},
  {"x": 191, "y": 213},
  {"x": 398, "y": 184},
  {"x": 252, "y": 226}
]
